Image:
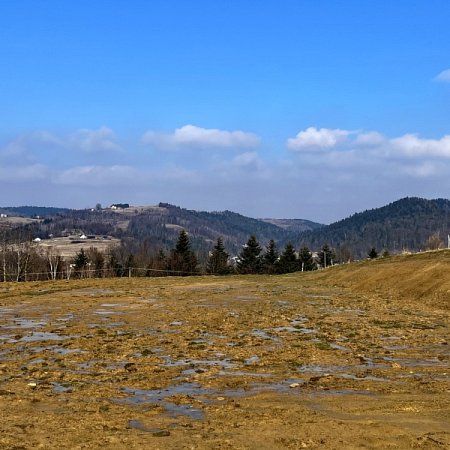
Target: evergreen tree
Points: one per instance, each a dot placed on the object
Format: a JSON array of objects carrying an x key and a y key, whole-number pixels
[
  {"x": 373, "y": 254},
  {"x": 326, "y": 256},
  {"x": 288, "y": 260},
  {"x": 218, "y": 260},
  {"x": 81, "y": 260},
  {"x": 182, "y": 259},
  {"x": 270, "y": 258},
  {"x": 306, "y": 261},
  {"x": 250, "y": 260}
]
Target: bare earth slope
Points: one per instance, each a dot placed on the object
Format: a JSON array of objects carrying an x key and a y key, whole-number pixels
[{"x": 347, "y": 358}]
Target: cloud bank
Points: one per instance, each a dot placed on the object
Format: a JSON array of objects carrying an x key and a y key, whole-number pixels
[
  {"x": 190, "y": 136},
  {"x": 313, "y": 138},
  {"x": 322, "y": 174}
]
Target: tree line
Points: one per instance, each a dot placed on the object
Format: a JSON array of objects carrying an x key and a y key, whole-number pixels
[{"x": 22, "y": 260}]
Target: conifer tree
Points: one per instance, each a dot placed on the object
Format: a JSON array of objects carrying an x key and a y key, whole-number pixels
[
  {"x": 288, "y": 259},
  {"x": 182, "y": 259},
  {"x": 306, "y": 261},
  {"x": 81, "y": 260},
  {"x": 218, "y": 260},
  {"x": 270, "y": 258},
  {"x": 250, "y": 260},
  {"x": 373, "y": 254}
]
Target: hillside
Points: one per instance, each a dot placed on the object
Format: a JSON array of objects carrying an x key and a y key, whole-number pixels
[
  {"x": 406, "y": 224},
  {"x": 32, "y": 211},
  {"x": 159, "y": 226},
  {"x": 422, "y": 278},
  {"x": 294, "y": 225}
]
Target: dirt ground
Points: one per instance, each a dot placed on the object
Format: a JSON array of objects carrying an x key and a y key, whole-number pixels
[{"x": 322, "y": 361}]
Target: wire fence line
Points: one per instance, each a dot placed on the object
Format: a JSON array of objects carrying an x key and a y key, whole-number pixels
[{"x": 107, "y": 273}]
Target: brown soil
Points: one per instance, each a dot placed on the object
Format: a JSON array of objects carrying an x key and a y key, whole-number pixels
[{"x": 348, "y": 358}]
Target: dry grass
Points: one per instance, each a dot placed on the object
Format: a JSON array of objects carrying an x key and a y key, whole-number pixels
[{"x": 423, "y": 277}]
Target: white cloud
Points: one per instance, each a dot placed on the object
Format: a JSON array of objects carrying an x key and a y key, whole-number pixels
[
  {"x": 191, "y": 136},
  {"x": 413, "y": 146},
  {"x": 443, "y": 76},
  {"x": 249, "y": 160},
  {"x": 370, "y": 139},
  {"x": 313, "y": 138},
  {"x": 100, "y": 140},
  {"x": 422, "y": 170},
  {"x": 22, "y": 147}
]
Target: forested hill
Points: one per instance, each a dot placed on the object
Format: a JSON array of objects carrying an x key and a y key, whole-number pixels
[
  {"x": 406, "y": 224},
  {"x": 159, "y": 226},
  {"x": 205, "y": 227}
]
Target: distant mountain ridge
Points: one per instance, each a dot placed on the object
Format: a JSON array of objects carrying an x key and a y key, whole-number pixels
[
  {"x": 405, "y": 224},
  {"x": 32, "y": 211}
]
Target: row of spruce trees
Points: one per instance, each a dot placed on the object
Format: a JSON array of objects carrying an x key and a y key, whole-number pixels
[{"x": 251, "y": 260}]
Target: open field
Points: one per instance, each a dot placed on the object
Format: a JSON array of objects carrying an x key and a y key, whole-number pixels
[
  {"x": 350, "y": 357},
  {"x": 68, "y": 248}
]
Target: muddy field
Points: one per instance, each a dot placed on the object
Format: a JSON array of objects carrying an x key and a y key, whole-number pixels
[{"x": 295, "y": 361}]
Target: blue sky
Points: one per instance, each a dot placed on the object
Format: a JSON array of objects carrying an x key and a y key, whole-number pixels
[{"x": 307, "y": 109}]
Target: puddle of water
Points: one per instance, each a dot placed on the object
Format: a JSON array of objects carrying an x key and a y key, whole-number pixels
[
  {"x": 238, "y": 373},
  {"x": 264, "y": 335},
  {"x": 246, "y": 298},
  {"x": 61, "y": 388},
  {"x": 26, "y": 323},
  {"x": 335, "y": 346},
  {"x": 397, "y": 347},
  {"x": 222, "y": 363},
  {"x": 417, "y": 362},
  {"x": 105, "y": 312},
  {"x": 37, "y": 361},
  {"x": 66, "y": 318},
  {"x": 288, "y": 329},
  {"x": 252, "y": 360},
  {"x": 299, "y": 321},
  {"x": 38, "y": 336},
  {"x": 6, "y": 337},
  {"x": 57, "y": 349},
  {"x": 137, "y": 425},
  {"x": 307, "y": 330},
  {"x": 348, "y": 376},
  {"x": 176, "y": 323},
  {"x": 159, "y": 396}
]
